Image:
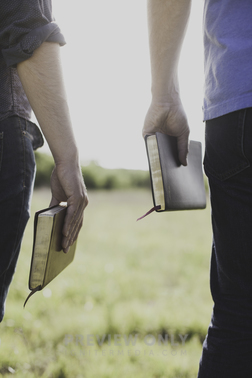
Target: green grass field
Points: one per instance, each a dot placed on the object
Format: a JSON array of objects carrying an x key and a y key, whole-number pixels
[{"x": 134, "y": 303}]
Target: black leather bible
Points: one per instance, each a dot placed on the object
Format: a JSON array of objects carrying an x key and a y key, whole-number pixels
[
  {"x": 48, "y": 258},
  {"x": 174, "y": 186}
]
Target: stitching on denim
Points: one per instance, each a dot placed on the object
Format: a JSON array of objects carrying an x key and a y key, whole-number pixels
[
  {"x": 1, "y": 149},
  {"x": 241, "y": 125},
  {"x": 23, "y": 192},
  {"x": 24, "y": 160}
]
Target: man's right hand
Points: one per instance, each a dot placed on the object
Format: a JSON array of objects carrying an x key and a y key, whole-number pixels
[
  {"x": 169, "y": 118},
  {"x": 167, "y": 22}
]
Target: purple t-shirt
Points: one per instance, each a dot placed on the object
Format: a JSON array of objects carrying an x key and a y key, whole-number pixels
[{"x": 228, "y": 56}]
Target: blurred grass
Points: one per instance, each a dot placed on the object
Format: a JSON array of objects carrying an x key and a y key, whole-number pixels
[{"x": 128, "y": 278}]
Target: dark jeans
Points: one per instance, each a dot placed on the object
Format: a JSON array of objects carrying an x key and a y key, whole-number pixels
[
  {"x": 227, "y": 349},
  {"x": 18, "y": 138}
]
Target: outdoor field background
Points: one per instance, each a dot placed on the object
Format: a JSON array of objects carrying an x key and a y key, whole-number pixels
[{"x": 128, "y": 280}]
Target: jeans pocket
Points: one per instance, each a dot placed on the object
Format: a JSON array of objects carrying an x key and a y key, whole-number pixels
[
  {"x": 224, "y": 151},
  {"x": 33, "y": 133}
]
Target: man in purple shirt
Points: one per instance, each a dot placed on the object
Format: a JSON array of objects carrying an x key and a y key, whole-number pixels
[
  {"x": 31, "y": 77},
  {"x": 228, "y": 160}
]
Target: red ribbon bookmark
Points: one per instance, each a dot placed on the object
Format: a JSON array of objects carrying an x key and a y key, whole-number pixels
[
  {"x": 150, "y": 211},
  {"x": 32, "y": 292}
]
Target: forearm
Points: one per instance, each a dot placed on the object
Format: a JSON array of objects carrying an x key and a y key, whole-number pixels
[
  {"x": 167, "y": 22},
  {"x": 42, "y": 79}
]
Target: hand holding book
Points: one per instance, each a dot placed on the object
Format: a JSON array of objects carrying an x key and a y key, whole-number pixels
[
  {"x": 42, "y": 79},
  {"x": 168, "y": 117},
  {"x": 174, "y": 187},
  {"x": 65, "y": 186}
]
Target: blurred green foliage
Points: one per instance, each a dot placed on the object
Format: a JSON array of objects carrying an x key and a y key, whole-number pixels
[
  {"x": 96, "y": 177},
  {"x": 45, "y": 164}
]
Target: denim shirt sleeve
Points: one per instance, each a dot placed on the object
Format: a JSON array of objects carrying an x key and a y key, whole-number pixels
[{"x": 24, "y": 26}]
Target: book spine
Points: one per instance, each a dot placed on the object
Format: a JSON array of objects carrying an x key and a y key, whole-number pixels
[{"x": 40, "y": 252}]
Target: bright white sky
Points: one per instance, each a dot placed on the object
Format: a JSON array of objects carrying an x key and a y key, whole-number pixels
[{"x": 107, "y": 76}]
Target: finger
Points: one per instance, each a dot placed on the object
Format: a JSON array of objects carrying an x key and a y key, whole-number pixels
[
  {"x": 74, "y": 236},
  {"x": 69, "y": 223},
  {"x": 74, "y": 213},
  {"x": 183, "y": 147},
  {"x": 69, "y": 241},
  {"x": 72, "y": 224},
  {"x": 75, "y": 227}
]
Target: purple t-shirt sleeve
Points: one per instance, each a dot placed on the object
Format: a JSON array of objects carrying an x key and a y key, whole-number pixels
[{"x": 228, "y": 55}]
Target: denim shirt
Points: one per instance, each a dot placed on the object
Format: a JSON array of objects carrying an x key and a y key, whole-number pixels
[{"x": 24, "y": 26}]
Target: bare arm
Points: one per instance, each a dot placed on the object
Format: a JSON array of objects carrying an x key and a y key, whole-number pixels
[
  {"x": 167, "y": 22},
  {"x": 41, "y": 77}
]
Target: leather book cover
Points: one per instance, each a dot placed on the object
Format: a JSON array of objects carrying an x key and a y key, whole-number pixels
[
  {"x": 48, "y": 259},
  {"x": 182, "y": 187}
]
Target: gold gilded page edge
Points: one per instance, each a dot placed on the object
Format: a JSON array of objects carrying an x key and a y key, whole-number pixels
[
  {"x": 156, "y": 173},
  {"x": 41, "y": 248}
]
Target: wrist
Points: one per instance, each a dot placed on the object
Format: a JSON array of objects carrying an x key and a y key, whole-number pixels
[
  {"x": 168, "y": 94},
  {"x": 70, "y": 159}
]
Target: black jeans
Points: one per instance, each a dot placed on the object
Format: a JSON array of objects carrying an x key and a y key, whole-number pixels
[
  {"x": 18, "y": 138},
  {"x": 227, "y": 349}
]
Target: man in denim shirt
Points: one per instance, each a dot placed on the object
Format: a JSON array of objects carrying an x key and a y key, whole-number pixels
[
  {"x": 31, "y": 77},
  {"x": 228, "y": 160}
]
